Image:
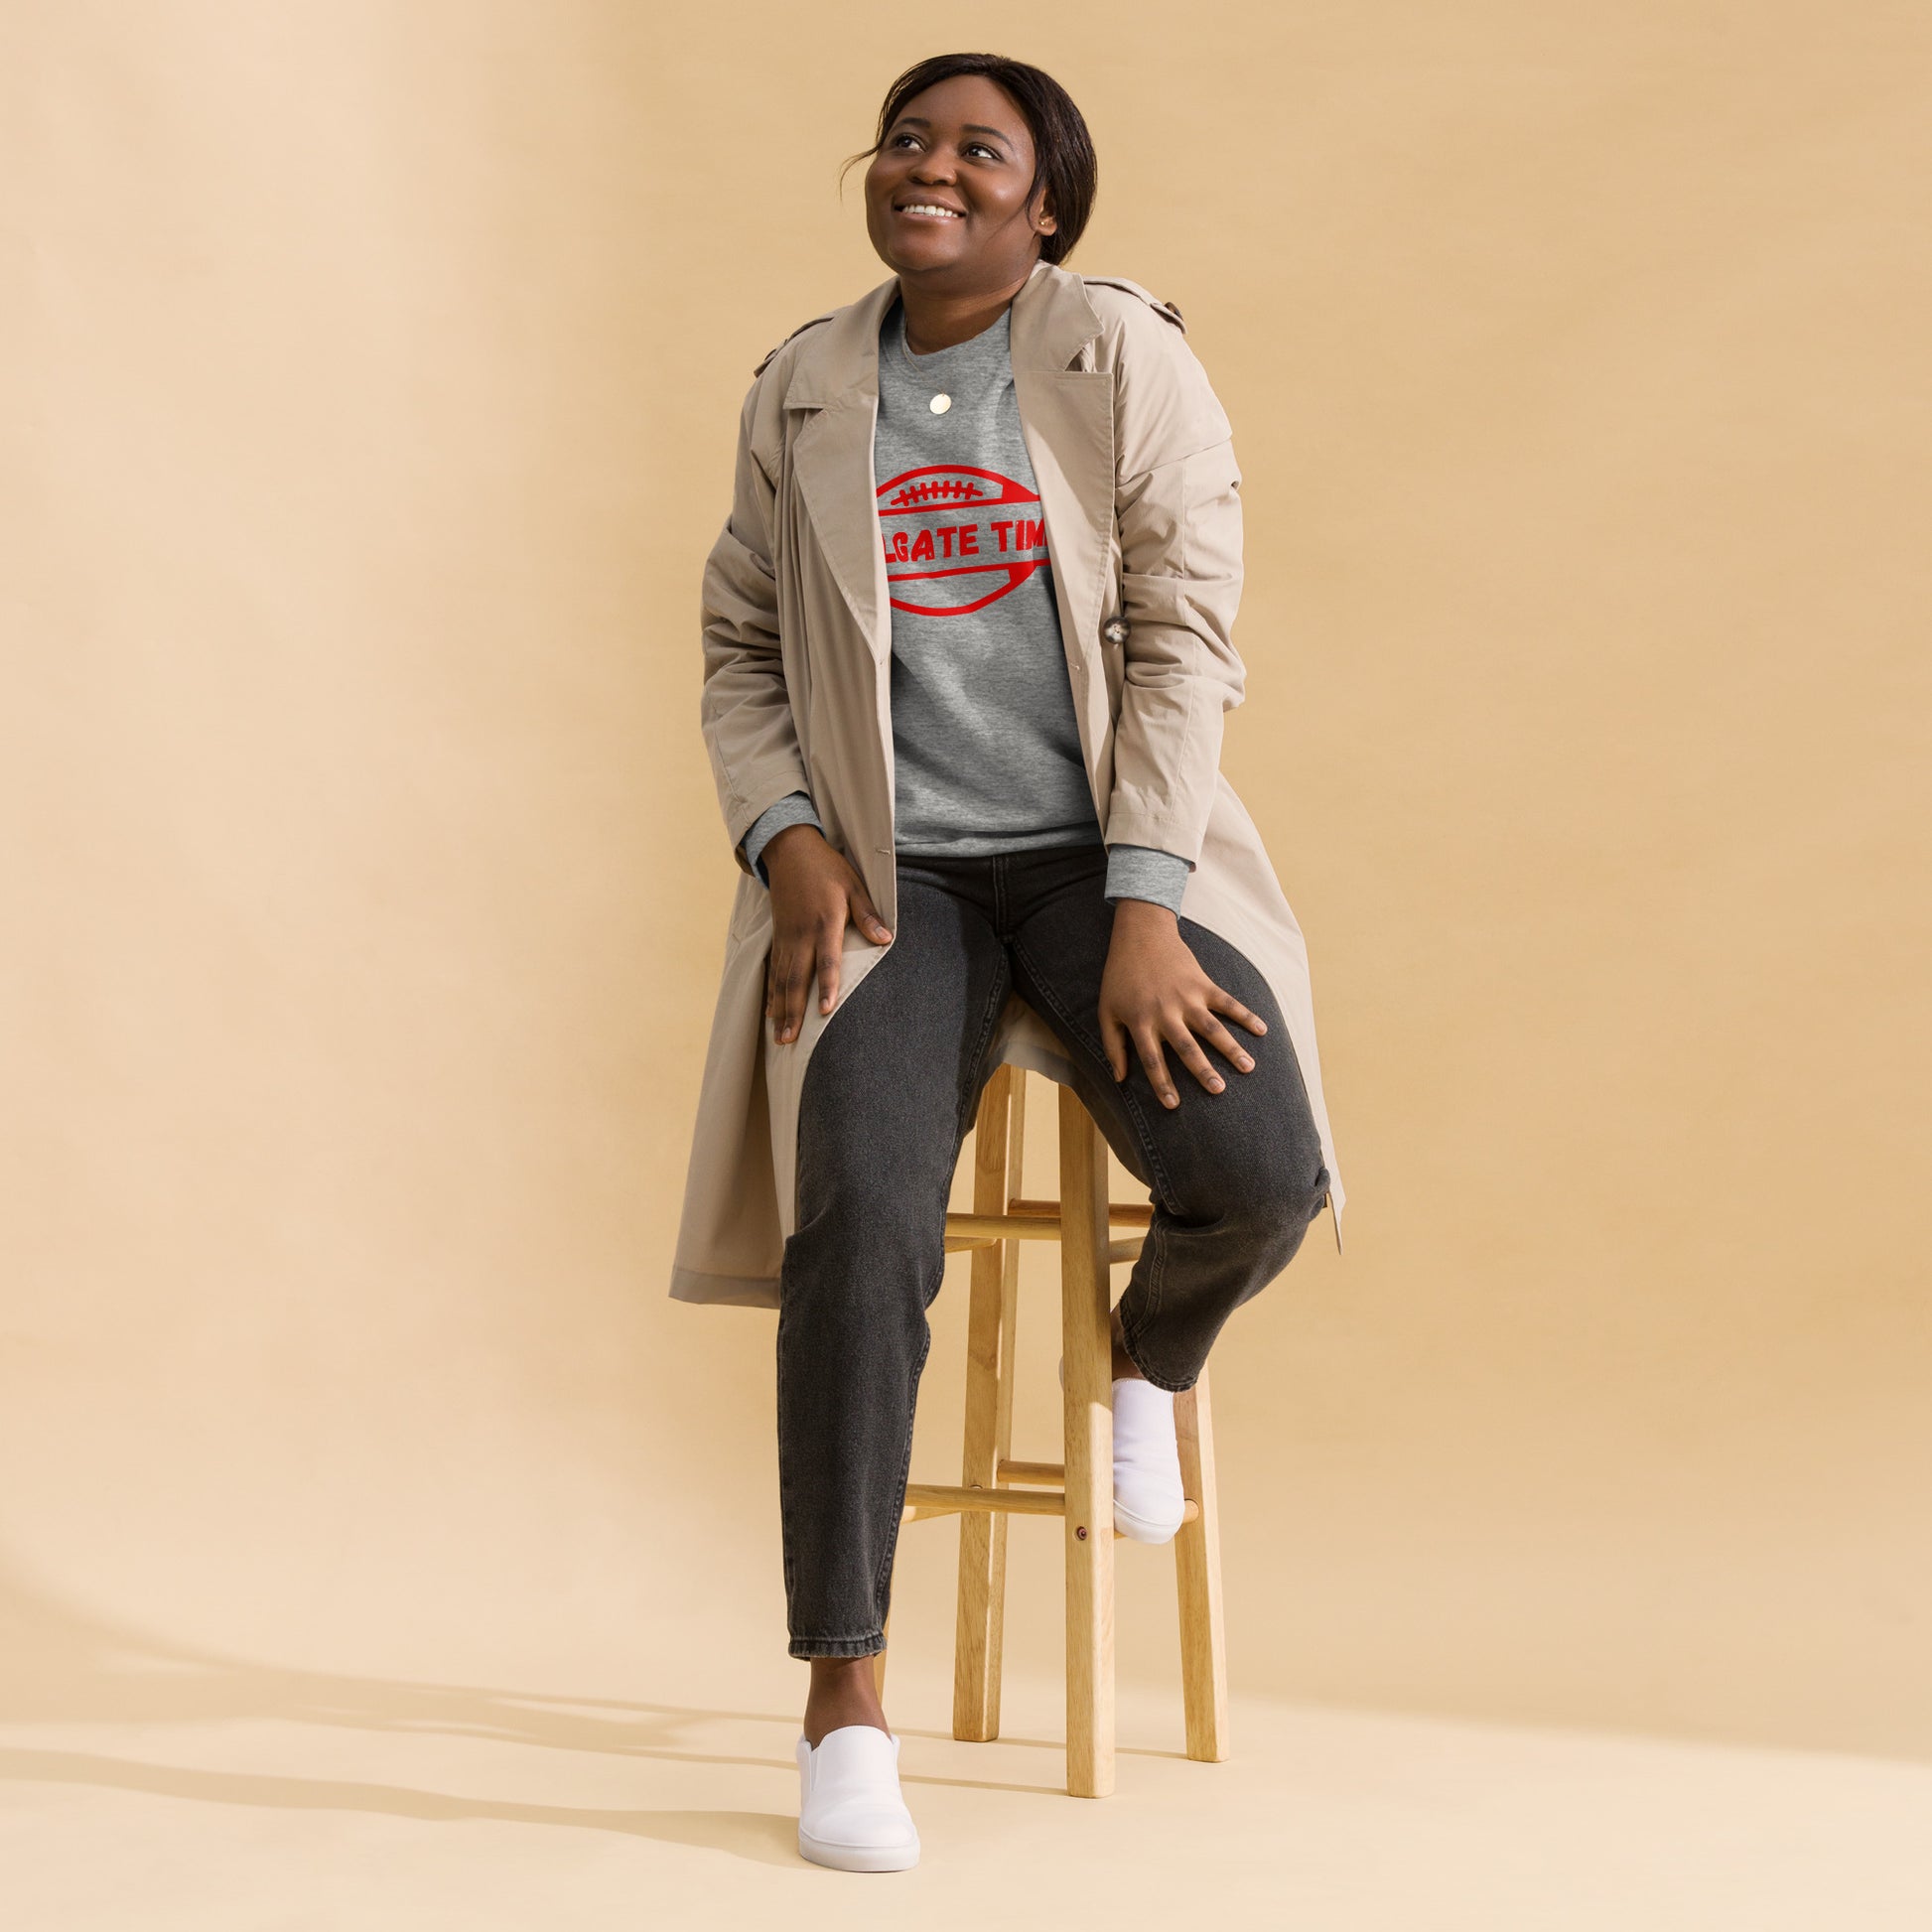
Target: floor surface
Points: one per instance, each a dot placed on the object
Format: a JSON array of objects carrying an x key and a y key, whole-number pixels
[{"x": 352, "y": 1802}]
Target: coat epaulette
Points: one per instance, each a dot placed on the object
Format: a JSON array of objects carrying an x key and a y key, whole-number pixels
[
  {"x": 800, "y": 330},
  {"x": 1154, "y": 302}
]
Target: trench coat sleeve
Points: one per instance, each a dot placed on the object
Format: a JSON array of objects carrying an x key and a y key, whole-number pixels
[
  {"x": 746, "y": 707},
  {"x": 1178, "y": 508}
]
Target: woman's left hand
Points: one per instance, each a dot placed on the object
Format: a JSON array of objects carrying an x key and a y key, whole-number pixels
[{"x": 1156, "y": 994}]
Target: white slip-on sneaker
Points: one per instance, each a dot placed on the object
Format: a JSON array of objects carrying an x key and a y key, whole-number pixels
[
  {"x": 1150, "y": 1501},
  {"x": 850, "y": 1815}
]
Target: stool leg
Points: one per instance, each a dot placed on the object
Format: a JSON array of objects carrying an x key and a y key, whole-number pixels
[
  {"x": 1086, "y": 1306},
  {"x": 878, "y": 1659},
  {"x": 1198, "y": 1574},
  {"x": 999, "y": 1142}
]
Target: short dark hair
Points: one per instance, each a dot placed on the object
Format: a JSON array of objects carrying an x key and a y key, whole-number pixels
[{"x": 1063, "y": 156}]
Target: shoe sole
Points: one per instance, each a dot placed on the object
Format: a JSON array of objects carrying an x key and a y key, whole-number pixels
[{"x": 857, "y": 1857}]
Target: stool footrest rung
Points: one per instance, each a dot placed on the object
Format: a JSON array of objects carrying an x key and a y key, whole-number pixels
[
  {"x": 1003, "y": 1227},
  {"x": 1123, "y": 1213},
  {"x": 927, "y": 1499},
  {"x": 1128, "y": 1248},
  {"x": 948, "y": 1497},
  {"x": 1034, "y": 1220},
  {"x": 1012, "y": 1470},
  {"x": 965, "y": 1232}
]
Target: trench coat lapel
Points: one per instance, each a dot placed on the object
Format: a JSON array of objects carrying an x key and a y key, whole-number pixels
[{"x": 1066, "y": 417}]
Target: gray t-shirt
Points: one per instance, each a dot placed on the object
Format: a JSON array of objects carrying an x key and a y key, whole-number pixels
[{"x": 986, "y": 746}]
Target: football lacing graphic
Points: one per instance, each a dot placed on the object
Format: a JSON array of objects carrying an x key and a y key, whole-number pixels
[{"x": 937, "y": 491}]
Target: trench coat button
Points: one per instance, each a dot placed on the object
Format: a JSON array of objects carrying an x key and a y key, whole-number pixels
[{"x": 1115, "y": 631}]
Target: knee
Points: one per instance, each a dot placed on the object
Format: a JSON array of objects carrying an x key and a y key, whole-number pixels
[
  {"x": 860, "y": 1252},
  {"x": 873, "y": 1203},
  {"x": 1274, "y": 1203}
]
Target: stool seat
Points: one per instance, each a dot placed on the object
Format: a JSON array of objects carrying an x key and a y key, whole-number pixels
[{"x": 995, "y": 1485}]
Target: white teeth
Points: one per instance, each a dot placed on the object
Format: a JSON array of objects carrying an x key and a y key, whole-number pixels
[{"x": 927, "y": 207}]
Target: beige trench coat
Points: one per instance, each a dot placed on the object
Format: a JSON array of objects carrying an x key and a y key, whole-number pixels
[{"x": 1134, "y": 464}]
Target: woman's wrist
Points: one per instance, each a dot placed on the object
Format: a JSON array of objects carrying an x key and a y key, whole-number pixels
[
  {"x": 1144, "y": 913},
  {"x": 783, "y": 840}
]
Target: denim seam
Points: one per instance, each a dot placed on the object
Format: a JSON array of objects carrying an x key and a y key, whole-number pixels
[
  {"x": 969, "y": 1098},
  {"x": 1157, "y": 1237},
  {"x": 880, "y": 1580},
  {"x": 1157, "y": 1274},
  {"x": 784, "y": 1532}
]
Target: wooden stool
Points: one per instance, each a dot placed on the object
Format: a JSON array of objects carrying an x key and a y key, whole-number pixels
[{"x": 994, "y": 1485}]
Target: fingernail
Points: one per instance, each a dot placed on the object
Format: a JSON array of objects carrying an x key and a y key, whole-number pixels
[
  {"x": 1245, "y": 1063},
  {"x": 1215, "y": 1086}
]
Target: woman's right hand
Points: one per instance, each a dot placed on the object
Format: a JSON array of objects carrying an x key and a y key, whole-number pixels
[{"x": 814, "y": 892}]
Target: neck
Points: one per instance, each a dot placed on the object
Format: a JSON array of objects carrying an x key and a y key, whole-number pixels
[{"x": 939, "y": 319}]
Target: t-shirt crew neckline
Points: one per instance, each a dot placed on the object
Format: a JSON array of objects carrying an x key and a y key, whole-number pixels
[{"x": 935, "y": 358}]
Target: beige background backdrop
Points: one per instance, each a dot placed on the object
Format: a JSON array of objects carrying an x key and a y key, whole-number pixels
[{"x": 370, "y": 374}]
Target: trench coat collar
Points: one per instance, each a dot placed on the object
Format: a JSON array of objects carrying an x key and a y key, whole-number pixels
[{"x": 1052, "y": 318}]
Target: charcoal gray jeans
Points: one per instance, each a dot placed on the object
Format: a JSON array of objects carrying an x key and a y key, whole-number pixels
[{"x": 888, "y": 1097}]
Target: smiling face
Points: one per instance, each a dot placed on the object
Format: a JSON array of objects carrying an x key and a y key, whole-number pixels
[{"x": 946, "y": 201}]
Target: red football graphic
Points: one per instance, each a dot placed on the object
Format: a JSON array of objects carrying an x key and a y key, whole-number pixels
[{"x": 965, "y": 535}]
